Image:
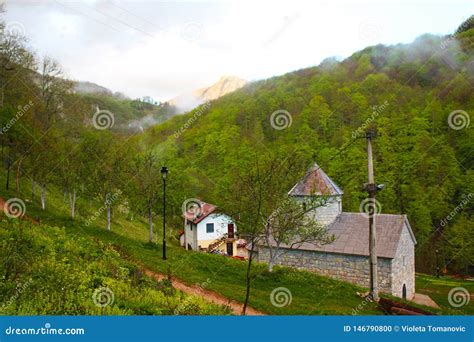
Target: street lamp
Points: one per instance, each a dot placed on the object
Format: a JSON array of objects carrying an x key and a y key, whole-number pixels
[{"x": 164, "y": 173}]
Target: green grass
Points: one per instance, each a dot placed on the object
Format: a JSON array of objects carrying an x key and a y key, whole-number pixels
[
  {"x": 311, "y": 294},
  {"x": 438, "y": 289},
  {"x": 46, "y": 271}
]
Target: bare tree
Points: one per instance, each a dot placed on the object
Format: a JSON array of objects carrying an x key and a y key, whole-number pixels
[
  {"x": 259, "y": 204},
  {"x": 292, "y": 225},
  {"x": 146, "y": 184}
]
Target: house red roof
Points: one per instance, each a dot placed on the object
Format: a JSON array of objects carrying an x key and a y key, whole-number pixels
[
  {"x": 315, "y": 182},
  {"x": 197, "y": 210}
]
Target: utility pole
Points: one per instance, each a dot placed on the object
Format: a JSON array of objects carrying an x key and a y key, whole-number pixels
[{"x": 372, "y": 188}]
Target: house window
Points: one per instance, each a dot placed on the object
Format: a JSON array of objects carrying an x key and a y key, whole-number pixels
[{"x": 209, "y": 227}]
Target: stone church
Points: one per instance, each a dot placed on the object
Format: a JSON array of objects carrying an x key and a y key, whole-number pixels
[{"x": 347, "y": 258}]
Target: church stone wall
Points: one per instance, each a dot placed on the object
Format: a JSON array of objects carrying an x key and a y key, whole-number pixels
[
  {"x": 351, "y": 268},
  {"x": 403, "y": 266}
]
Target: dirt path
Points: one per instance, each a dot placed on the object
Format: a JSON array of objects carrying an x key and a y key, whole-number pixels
[
  {"x": 424, "y": 300},
  {"x": 207, "y": 295}
]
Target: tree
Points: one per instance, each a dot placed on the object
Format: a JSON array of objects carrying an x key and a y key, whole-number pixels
[
  {"x": 52, "y": 88},
  {"x": 264, "y": 213},
  {"x": 146, "y": 184},
  {"x": 291, "y": 225},
  {"x": 105, "y": 158},
  {"x": 69, "y": 171}
]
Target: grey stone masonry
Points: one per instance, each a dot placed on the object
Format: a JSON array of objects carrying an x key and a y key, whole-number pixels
[
  {"x": 325, "y": 214},
  {"x": 403, "y": 266},
  {"x": 350, "y": 268}
]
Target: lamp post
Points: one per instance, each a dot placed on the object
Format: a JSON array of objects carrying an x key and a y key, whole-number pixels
[{"x": 164, "y": 173}]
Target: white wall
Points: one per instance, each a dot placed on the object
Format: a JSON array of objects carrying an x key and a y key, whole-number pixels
[
  {"x": 327, "y": 213},
  {"x": 403, "y": 265},
  {"x": 220, "y": 226}
]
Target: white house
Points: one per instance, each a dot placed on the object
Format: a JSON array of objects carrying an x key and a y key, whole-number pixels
[{"x": 208, "y": 229}]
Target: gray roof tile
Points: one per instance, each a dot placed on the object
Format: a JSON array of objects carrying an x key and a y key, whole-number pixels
[{"x": 351, "y": 231}]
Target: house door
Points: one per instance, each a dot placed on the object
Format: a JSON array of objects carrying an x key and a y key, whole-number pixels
[
  {"x": 230, "y": 248},
  {"x": 404, "y": 292},
  {"x": 230, "y": 230}
]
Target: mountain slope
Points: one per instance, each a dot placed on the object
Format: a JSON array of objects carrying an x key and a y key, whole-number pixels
[
  {"x": 419, "y": 97},
  {"x": 223, "y": 86}
]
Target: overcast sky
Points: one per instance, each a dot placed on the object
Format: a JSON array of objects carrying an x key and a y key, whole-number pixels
[{"x": 162, "y": 49}]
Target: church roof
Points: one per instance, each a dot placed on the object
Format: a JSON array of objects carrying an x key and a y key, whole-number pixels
[
  {"x": 315, "y": 182},
  {"x": 351, "y": 231}
]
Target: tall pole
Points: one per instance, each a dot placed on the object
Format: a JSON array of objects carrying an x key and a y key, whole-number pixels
[
  {"x": 164, "y": 218},
  {"x": 372, "y": 188}
]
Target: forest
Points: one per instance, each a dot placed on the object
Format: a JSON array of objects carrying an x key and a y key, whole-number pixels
[{"x": 417, "y": 96}]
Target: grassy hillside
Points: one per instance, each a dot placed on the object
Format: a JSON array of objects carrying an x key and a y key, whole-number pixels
[
  {"x": 439, "y": 290},
  {"x": 87, "y": 256},
  {"x": 47, "y": 271}
]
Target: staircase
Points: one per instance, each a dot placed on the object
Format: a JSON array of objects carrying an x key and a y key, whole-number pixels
[{"x": 216, "y": 244}]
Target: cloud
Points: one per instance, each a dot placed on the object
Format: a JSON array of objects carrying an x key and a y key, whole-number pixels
[{"x": 164, "y": 49}]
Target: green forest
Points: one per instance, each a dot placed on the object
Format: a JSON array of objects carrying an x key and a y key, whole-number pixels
[
  {"x": 406, "y": 92},
  {"x": 54, "y": 147}
]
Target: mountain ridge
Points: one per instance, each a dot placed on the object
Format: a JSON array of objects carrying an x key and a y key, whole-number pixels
[{"x": 223, "y": 86}]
